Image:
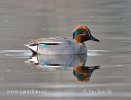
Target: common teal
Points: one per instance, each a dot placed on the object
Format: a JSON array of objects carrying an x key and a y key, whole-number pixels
[{"x": 62, "y": 45}]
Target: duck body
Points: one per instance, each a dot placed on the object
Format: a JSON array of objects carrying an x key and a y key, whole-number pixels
[
  {"x": 56, "y": 45},
  {"x": 62, "y": 45}
]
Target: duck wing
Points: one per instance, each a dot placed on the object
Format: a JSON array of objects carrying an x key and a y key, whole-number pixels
[{"x": 50, "y": 41}]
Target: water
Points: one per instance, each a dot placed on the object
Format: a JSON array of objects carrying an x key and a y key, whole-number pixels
[{"x": 23, "y": 20}]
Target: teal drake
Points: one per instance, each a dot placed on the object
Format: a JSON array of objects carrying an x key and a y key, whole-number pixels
[{"x": 63, "y": 45}]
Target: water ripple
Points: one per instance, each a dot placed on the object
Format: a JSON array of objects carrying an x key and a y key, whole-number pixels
[
  {"x": 16, "y": 53},
  {"x": 28, "y": 53},
  {"x": 70, "y": 94}
]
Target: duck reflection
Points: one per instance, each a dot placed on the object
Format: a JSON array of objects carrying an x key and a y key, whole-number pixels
[
  {"x": 61, "y": 61},
  {"x": 81, "y": 72}
]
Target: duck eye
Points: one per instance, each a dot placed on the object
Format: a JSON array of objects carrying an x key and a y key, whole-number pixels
[{"x": 88, "y": 31}]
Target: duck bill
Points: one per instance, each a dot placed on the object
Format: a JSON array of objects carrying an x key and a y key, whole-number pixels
[{"x": 94, "y": 39}]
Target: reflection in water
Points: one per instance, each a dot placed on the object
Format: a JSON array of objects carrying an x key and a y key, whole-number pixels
[
  {"x": 81, "y": 72},
  {"x": 57, "y": 60}
]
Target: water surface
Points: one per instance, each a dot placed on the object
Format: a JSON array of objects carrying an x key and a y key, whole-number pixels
[{"x": 23, "y": 20}]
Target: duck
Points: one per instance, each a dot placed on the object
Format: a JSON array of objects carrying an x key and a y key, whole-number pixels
[{"x": 63, "y": 45}]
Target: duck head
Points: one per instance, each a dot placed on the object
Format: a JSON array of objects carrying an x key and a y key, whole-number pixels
[
  {"x": 83, "y": 73},
  {"x": 82, "y": 33}
]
